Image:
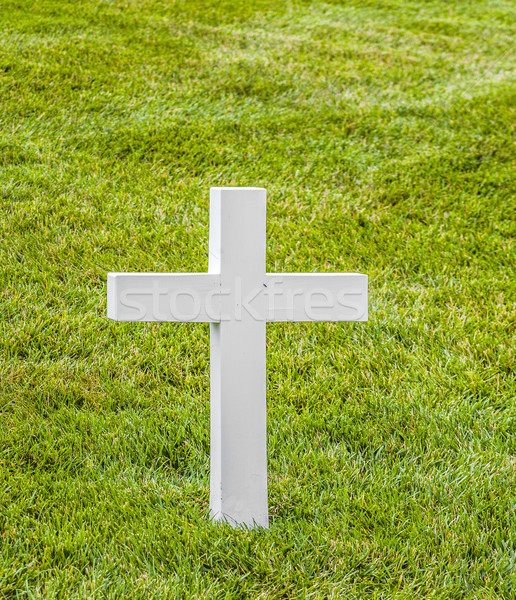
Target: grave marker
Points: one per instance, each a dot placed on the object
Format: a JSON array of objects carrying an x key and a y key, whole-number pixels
[{"x": 237, "y": 297}]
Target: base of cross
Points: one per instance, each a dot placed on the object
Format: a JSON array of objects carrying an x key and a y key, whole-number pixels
[{"x": 237, "y": 297}]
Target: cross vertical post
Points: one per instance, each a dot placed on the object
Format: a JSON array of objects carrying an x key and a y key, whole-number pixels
[{"x": 238, "y": 480}]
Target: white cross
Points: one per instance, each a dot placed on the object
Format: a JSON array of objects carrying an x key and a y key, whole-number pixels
[{"x": 237, "y": 297}]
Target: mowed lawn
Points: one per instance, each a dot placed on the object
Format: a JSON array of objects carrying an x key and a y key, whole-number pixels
[{"x": 384, "y": 132}]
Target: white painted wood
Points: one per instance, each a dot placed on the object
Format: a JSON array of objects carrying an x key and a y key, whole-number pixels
[
  {"x": 237, "y": 298},
  {"x": 238, "y": 485},
  {"x": 316, "y": 297},
  {"x": 164, "y": 297}
]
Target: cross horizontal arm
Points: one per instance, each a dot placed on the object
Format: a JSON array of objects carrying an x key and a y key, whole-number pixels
[
  {"x": 316, "y": 297},
  {"x": 163, "y": 297}
]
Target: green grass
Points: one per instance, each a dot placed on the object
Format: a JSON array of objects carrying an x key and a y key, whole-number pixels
[{"x": 384, "y": 132}]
